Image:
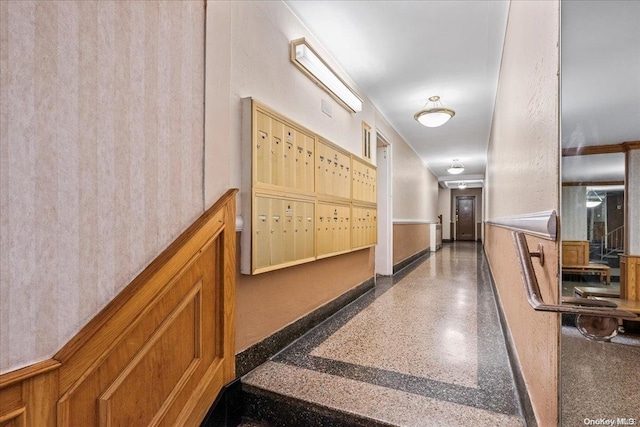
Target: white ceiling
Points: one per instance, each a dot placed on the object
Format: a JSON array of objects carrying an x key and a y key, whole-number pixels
[
  {"x": 399, "y": 53},
  {"x": 600, "y": 72},
  {"x": 593, "y": 168},
  {"x": 600, "y": 84}
]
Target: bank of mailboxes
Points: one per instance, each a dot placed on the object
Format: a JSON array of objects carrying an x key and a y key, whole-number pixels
[
  {"x": 284, "y": 155},
  {"x": 364, "y": 180},
  {"x": 364, "y": 230},
  {"x": 333, "y": 171},
  {"x": 333, "y": 225},
  {"x": 304, "y": 192},
  {"x": 283, "y": 231}
]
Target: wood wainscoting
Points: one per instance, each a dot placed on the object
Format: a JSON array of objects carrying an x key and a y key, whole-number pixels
[
  {"x": 630, "y": 277},
  {"x": 575, "y": 252},
  {"x": 158, "y": 354}
]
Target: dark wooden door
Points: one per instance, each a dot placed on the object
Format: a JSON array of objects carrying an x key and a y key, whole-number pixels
[
  {"x": 615, "y": 219},
  {"x": 465, "y": 218}
]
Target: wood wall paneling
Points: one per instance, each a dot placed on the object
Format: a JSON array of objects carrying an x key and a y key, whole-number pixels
[
  {"x": 409, "y": 239},
  {"x": 630, "y": 277},
  {"x": 575, "y": 252},
  {"x": 158, "y": 354},
  {"x": 601, "y": 149},
  {"x": 28, "y": 396}
]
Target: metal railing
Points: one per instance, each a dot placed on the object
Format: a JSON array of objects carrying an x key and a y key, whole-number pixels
[
  {"x": 612, "y": 242},
  {"x": 596, "y": 319}
]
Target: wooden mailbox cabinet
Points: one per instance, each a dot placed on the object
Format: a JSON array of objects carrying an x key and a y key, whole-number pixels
[{"x": 304, "y": 198}]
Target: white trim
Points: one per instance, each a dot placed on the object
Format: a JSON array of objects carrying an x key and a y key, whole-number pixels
[
  {"x": 541, "y": 224},
  {"x": 384, "y": 248},
  {"x": 415, "y": 221},
  {"x": 239, "y": 223}
]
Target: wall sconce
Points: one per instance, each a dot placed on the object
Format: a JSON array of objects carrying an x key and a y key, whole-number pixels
[{"x": 305, "y": 58}]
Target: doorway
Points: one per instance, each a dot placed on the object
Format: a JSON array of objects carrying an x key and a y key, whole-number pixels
[
  {"x": 465, "y": 218},
  {"x": 384, "y": 248}
]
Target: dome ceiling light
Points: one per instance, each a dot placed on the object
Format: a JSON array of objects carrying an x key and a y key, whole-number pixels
[
  {"x": 593, "y": 199},
  {"x": 456, "y": 167},
  {"x": 435, "y": 116},
  {"x": 462, "y": 185}
]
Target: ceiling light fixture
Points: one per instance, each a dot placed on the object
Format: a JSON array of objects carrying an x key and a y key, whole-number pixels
[
  {"x": 593, "y": 199},
  {"x": 306, "y": 58},
  {"x": 435, "y": 116},
  {"x": 462, "y": 185},
  {"x": 456, "y": 167}
]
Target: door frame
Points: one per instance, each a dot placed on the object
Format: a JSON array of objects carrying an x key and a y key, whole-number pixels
[
  {"x": 384, "y": 248},
  {"x": 475, "y": 215}
]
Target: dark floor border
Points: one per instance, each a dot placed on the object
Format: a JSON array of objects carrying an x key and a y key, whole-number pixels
[
  {"x": 259, "y": 353},
  {"x": 521, "y": 387},
  {"x": 402, "y": 264},
  {"x": 265, "y": 406},
  {"x": 226, "y": 410}
]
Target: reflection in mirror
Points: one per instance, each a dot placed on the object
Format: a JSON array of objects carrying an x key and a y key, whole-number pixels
[{"x": 600, "y": 206}]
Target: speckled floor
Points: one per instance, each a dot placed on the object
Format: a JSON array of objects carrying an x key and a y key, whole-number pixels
[
  {"x": 599, "y": 380},
  {"x": 422, "y": 349}
]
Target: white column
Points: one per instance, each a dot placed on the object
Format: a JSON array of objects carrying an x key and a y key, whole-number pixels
[{"x": 633, "y": 202}]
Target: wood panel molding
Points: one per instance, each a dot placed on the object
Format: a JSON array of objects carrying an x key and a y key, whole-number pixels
[
  {"x": 28, "y": 395},
  {"x": 27, "y": 372},
  {"x": 591, "y": 183},
  {"x": 575, "y": 253},
  {"x": 601, "y": 149},
  {"x": 158, "y": 354}
]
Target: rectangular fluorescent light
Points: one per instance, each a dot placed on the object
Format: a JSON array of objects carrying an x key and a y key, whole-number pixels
[{"x": 305, "y": 58}]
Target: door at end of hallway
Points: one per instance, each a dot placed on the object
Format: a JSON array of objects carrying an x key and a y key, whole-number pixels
[{"x": 465, "y": 218}]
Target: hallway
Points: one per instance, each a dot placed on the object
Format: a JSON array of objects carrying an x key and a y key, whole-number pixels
[{"x": 422, "y": 348}]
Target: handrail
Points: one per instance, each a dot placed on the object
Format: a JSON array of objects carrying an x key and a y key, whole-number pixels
[
  {"x": 583, "y": 306},
  {"x": 539, "y": 224},
  {"x": 617, "y": 236}
]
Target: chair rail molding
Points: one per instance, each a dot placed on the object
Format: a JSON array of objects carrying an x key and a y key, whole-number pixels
[{"x": 541, "y": 224}]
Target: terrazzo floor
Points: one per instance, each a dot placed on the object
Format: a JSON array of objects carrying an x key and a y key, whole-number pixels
[
  {"x": 423, "y": 348},
  {"x": 599, "y": 380}
]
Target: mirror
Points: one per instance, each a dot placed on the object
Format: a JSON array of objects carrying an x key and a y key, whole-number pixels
[{"x": 600, "y": 130}]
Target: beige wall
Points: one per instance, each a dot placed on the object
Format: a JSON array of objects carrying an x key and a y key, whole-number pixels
[
  {"x": 522, "y": 177},
  {"x": 535, "y": 334},
  {"x": 101, "y": 160},
  {"x": 268, "y": 302},
  {"x": 409, "y": 239},
  {"x": 444, "y": 209},
  {"x": 251, "y": 59},
  {"x": 415, "y": 187}
]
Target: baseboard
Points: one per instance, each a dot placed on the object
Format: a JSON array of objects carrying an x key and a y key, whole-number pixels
[
  {"x": 447, "y": 240},
  {"x": 405, "y": 262},
  {"x": 521, "y": 387},
  {"x": 226, "y": 411},
  {"x": 259, "y": 353}
]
